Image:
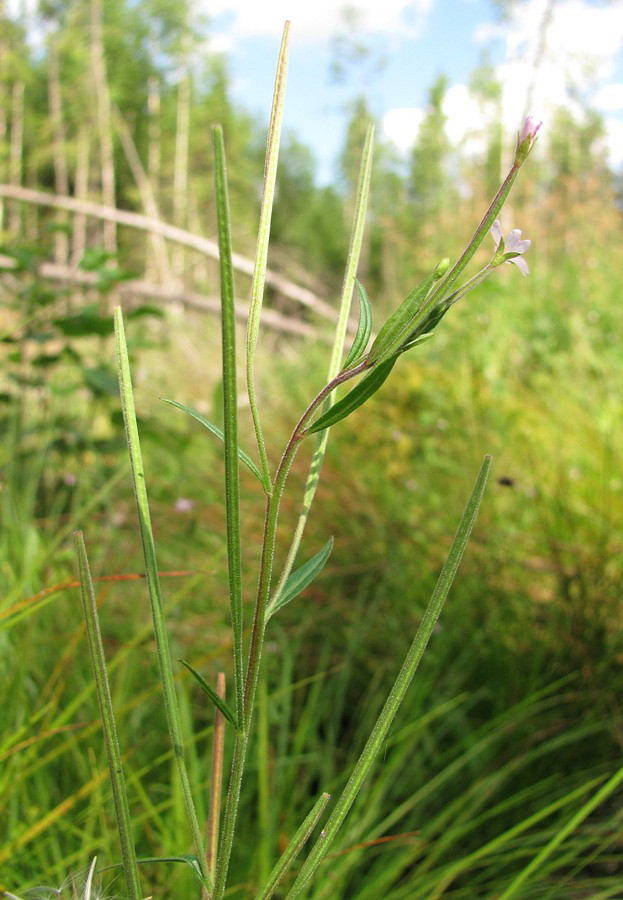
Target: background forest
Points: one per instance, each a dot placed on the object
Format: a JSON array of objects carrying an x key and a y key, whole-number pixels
[{"x": 514, "y": 724}]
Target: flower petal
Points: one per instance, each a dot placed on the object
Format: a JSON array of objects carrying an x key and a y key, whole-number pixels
[
  {"x": 521, "y": 264},
  {"x": 513, "y": 242},
  {"x": 496, "y": 232}
]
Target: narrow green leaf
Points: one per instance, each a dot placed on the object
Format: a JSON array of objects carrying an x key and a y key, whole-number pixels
[
  {"x": 292, "y": 850},
  {"x": 356, "y": 397},
  {"x": 396, "y": 696},
  {"x": 220, "y": 704},
  {"x": 217, "y": 432},
  {"x": 364, "y": 327},
  {"x": 111, "y": 740},
  {"x": 185, "y": 858},
  {"x": 263, "y": 240},
  {"x": 426, "y": 328},
  {"x": 301, "y": 578},
  {"x": 562, "y": 833},
  {"x": 401, "y": 321},
  {"x": 335, "y": 363},
  {"x": 230, "y": 410},
  {"x": 163, "y": 652}
]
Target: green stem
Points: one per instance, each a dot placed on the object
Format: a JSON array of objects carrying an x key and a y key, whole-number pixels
[
  {"x": 111, "y": 740},
  {"x": 476, "y": 240},
  {"x": 258, "y": 629},
  {"x": 155, "y": 595},
  {"x": 294, "y": 847},
  {"x": 230, "y": 412},
  {"x": 263, "y": 236},
  {"x": 216, "y": 779},
  {"x": 321, "y": 439},
  {"x": 398, "y": 691}
]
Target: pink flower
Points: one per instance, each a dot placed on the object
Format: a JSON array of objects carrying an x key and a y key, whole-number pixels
[
  {"x": 526, "y": 139},
  {"x": 509, "y": 249}
]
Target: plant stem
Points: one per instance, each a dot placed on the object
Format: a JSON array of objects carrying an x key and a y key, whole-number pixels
[
  {"x": 216, "y": 779},
  {"x": 230, "y": 412},
  {"x": 111, "y": 740},
  {"x": 476, "y": 239},
  {"x": 163, "y": 651},
  {"x": 399, "y": 689},
  {"x": 258, "y": 629},
  {"x": 321, "y": 439},
  {"x": 263, "y": 237}
]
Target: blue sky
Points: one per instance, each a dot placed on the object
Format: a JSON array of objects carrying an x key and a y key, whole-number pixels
[{"x": 421, "y": 39}]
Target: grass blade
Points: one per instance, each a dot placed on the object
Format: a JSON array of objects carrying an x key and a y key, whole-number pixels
[
  {"x": 230, "y": 413},
  {"x": 153, "y": 584},
  {"x": 111, "y": 740},
  {"x": 585, "y": 810},
  {"x": 292, "y": 850},
  {"x": 217, "y": 432},
  {"x": 263, "y": 236},
  {"x": 398, "y": 691}
]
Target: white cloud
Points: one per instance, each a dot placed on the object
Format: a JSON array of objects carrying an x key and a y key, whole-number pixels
[
  {"x": 462, "y": 111},
  {"x": 609, "y": 97},
  {"x": 401, "y": 126},
  {"x": 317, "y": 20},
  {"x": 614, "y": 141},
  {"x": 463, "y": 115},
  {"x": 551, "y": 48}
]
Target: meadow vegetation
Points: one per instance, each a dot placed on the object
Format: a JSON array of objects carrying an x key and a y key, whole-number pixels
[{"x": 501, "y": 774}]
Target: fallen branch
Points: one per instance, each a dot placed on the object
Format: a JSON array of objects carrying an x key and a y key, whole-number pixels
[
  {"x": 154, "y": 226},
  {"x": 271, "y": 318}
]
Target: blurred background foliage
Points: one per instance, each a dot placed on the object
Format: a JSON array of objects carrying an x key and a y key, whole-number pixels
[{"x": 515, "y": 719}]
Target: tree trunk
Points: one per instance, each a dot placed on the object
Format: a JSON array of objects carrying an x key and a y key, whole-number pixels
[
  {"x": 16, "y": 152},
  {"x": 61, "y": 179},
  {"x": 104, "y": 121},
  {"x": 81, "y": 192},
  {"x": 180, "y": 177},
  {"x": 158, "y": 243}
]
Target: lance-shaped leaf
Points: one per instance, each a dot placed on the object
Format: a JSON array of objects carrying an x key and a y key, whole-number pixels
[
  {"x": 424, "y": 330},
  {"x": 301, "y": 577},
  {"x": 219, "y": 434},
  {"x": 185, "y": 858},
  {"x": 355, "y": 398},
  {"x": 364, "y": 327},
  {"x": 220, "y": 704},
  {"x": 401, "y": 322}
]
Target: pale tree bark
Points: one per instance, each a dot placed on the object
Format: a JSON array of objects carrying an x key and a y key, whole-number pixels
[
  {"x": 61, "y": 179},
  {"x": 201, "y": 269},
  {"x": 180, "y": 177},
  {"x": 154, "y": 151},
  {"x": 81, "y": 191},
  {"x": 159, "y": 246},
  {"x": 270, "y": 318},
  {"x": 4, "y": 107},
  {"x": 154, "y": 158},
  {"x": 275, "y": 280},
  {"x": 104, "y": 120},
  {"x": 16, "y": 150}
]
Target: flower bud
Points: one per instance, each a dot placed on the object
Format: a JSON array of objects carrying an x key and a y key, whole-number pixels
[
  {"x": 442, "y": 267},
  {"x": 525, "y": 140}
]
